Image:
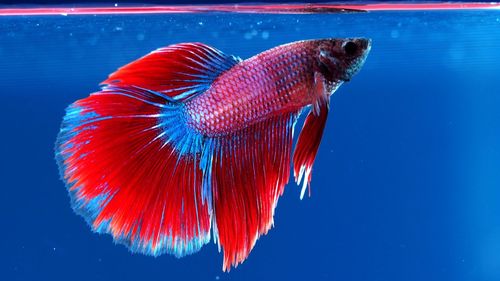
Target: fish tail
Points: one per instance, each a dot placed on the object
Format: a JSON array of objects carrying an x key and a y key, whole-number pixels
[
  {"x": 129, "y": 160},
  {"x": 132, "y": 170}
]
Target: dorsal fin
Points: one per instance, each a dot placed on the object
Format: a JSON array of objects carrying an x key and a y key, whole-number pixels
[{"x": 180, "y": 71}]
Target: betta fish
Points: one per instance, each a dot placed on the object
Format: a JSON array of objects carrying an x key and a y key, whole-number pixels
[{"x": 188, "y": 143}]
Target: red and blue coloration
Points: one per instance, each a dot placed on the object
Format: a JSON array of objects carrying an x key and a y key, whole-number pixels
[{"x": 188, "y": 142}]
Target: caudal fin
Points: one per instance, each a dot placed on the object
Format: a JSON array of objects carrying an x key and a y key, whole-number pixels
[
  {"x": 128, "y": 174},
  {"x": 130, "y": 162}
]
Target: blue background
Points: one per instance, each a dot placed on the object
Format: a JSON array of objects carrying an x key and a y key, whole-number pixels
[{"x": 405, "y": 186}]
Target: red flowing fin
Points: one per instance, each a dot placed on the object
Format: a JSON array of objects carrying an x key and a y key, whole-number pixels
[
  {"x": 180, "y": 71},
  {"x": 131, "y": 164},
  {"x": 249, "y": 170},
  {"x": 132, "y": 168},
  {"x": 310, "y": 138}
]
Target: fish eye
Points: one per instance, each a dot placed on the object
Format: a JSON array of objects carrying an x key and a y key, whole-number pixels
[{"x": 350, "y": 48}]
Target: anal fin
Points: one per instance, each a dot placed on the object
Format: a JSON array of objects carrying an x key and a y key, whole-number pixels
[{"x": 247, "y": 174}]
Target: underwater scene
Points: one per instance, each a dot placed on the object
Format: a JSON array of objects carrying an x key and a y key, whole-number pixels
[{"x": 278, "y": 142}]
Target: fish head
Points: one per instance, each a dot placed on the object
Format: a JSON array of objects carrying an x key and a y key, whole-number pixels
[{"x": 340, "y": 58}]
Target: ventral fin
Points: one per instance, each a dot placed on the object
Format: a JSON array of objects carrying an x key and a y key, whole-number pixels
[
  {"x": 310, "y": 137},
  {"x": 179, "y": 71}
]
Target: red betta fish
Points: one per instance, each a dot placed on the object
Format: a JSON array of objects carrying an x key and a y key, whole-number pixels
[{"x": 188, "y": 139}]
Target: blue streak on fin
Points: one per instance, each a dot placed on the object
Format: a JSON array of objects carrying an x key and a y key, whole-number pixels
[{"x": 170, "y": 130}]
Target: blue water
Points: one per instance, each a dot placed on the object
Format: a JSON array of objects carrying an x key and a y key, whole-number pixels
[{"x": 406, "y": 185}]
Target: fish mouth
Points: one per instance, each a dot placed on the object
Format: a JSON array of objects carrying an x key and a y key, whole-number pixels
[
  {"x": 367, "y": 48},
  {"x": 366, "y": 43}
]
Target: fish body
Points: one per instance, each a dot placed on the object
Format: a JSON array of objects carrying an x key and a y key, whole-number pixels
[
  {"x": 280, "y": 80},
  {"x": 274, "y": 82},
  {"x": 187, "y": 142}
]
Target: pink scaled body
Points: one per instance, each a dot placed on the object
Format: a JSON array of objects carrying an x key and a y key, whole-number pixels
[{"x": 274, "y": 82}]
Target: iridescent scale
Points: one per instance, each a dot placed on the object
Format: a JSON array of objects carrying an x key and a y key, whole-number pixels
[{"x": 274, "y": 82}]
